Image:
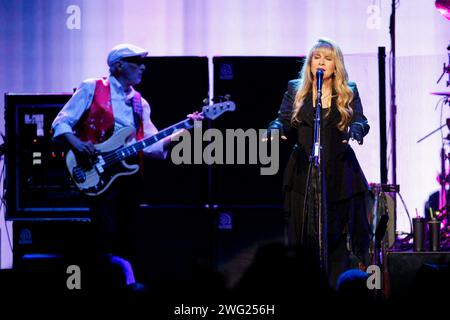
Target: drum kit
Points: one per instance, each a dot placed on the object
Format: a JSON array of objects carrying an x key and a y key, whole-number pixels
[
  {"x": 382, "y": 202},
  {"x": 442, "y": 213},
  {"x": 442, "y": 208}
]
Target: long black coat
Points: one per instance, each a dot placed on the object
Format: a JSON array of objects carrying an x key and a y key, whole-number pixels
[{"x": 344, "y": 177}]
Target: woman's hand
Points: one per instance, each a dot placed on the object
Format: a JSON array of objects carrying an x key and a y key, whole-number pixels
[{"x": 274, "y": 126}]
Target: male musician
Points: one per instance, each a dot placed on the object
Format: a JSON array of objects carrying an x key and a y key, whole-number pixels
[{"x": 97, "y": 110}]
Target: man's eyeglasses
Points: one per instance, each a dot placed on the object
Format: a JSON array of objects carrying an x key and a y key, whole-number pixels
[{"x": 137, "y": 60}]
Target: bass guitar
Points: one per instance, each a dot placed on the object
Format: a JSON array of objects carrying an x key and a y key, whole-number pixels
[{"x": 95, "y": 178}]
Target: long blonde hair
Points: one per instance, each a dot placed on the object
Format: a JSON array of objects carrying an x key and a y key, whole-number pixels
[{"x": 340, "y": 83}]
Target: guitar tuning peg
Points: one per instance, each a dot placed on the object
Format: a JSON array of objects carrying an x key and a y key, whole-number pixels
[
  {"x": 227, "y": 97},
  {"x": 205, "y": 101}
]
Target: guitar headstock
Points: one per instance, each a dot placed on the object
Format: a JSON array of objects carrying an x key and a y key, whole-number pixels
[{"x": 215, "y": 110}]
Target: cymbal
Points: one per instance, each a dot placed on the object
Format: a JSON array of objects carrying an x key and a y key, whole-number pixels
[{"x": 441, "y": 93}]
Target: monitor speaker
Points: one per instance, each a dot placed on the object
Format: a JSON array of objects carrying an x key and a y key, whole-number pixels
[{"x": 410, "y": 272}]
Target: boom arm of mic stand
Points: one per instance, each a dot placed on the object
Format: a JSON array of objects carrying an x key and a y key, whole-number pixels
[{"x": 436, "y": 130}]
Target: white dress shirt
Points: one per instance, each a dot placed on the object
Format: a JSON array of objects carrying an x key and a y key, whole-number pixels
[{"x": 81, "y": 100}]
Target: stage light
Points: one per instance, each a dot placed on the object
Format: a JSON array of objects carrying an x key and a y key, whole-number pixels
[{"x": 443, "y": 6}]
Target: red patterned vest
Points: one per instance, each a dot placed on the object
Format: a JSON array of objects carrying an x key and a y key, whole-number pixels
[{"x": 97, "y": 123}]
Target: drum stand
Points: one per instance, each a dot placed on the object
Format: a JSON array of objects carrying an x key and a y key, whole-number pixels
[
  {"x": 444, "y": 210},
  {"x": 444, "y": 180}
]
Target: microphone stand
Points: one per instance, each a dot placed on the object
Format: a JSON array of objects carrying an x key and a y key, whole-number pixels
[{"x": 315, "y": 207}]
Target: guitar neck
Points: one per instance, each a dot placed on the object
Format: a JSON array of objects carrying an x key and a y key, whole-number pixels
[{"x": 133, "y": 149}]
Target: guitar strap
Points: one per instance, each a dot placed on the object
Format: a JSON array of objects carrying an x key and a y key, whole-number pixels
[
  {"x": 139, "y": 125},
  {"x": 137, "y": 115}
]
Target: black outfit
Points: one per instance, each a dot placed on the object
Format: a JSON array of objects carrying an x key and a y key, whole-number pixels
[
  {"x": 112, "y": 213},
  {"x": 346, "y": 186}
]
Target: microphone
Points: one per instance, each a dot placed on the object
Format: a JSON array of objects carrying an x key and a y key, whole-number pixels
[{"x": 319, "y": 79}]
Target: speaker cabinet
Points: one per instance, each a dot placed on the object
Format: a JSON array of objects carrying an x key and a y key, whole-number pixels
[
  {"x": 174, "y": 88},
  {"x": 168, "y": 243},
  {"x": 42, "y": 242},
  {"x": 239, "y": 232},
  {"x": 257, "y": 85}
]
